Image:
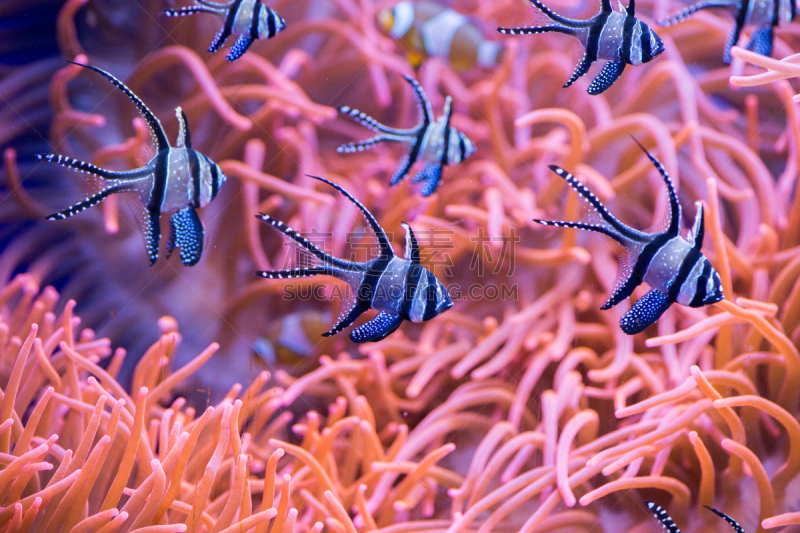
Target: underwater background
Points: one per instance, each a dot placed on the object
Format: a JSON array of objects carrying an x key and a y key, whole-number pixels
[{"x": 203, "y": 398}]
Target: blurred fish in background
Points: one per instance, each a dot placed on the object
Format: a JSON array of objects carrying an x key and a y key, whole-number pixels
[{"x": 428, "y": 29}]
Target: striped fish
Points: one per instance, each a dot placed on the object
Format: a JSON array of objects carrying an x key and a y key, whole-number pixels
[
  {"x": 766, "y": 14},
  {"x": 620, "y": 38},
  {"x": 175, "y": 178},
  {"x": 250, "y": 19},
  {"x": 733, "y": 523},
  {"x": 436, "y": 143},
  {"x": 400, "y": 289},
  {"x": 674, "y": 267},
  {"x": 662, "y": 516}
]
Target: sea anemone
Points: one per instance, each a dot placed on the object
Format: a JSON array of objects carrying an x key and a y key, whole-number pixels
[{"x": 524, "y": 408}]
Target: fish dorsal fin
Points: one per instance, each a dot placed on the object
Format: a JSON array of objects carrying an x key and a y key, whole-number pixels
[
  {"x": 631, "y": 9},
  {"x": 156, "y": 130},
  {"x": 698, "y": 228},
  {"x": 605, "y": 6},
  {"x": 674, "y": 206},
  {"x": 733, "y": 523},
  {"x": 383, "y": 241},
  {"x": 423, "y": 104},
  {"x": 448, "y": 114},
  {"x": 184, "y": 137},
  {"x": 412, "y": 246}
]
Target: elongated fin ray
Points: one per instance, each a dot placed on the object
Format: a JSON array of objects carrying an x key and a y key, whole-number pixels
[
  {"x": 366, "y": 120},
  {"x": 186, "y": 232},
  {"x": 156, "y": 130},
  {"x": 605, "y": 6},
  {"x": 376, "y": 329},
  {"x": 424, "y": 105},
  {"x": 622, "y": 229},
  {"x": 361, "y": 145},
  {"x": 299, "y": 239},
  {"x": 674, "y": 227},
  {"x": 536, "y": 30},
  {"x": 610, "y": 74},
  {"x": 631, "y": 9},
  {"x": 187, "y": 11},
  {"x": 88, "y": 202},
  {"x": 383, "y": 242},
  {"x": 352, "y": 315},
  {"x": 412, "y": 246},
  {"x": 605, "y": 230},
  {"x": 88, "y": 168},
  {"x": 733, "y": 523},
  {"x": 645, "y": 312},
  {"x": 682, "y": 15},
  {"x": 663, "y": 517},
  {"x": 291, "y": 274},
  {"x": 580, "y": 69}
]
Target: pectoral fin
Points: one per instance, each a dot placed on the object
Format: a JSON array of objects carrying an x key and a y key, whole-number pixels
[
  {"x": 376, "y": 329},
  {"x": 186, "y": 233},
  {"x": 645, "y": 312},
  {"x": 610, "y": 73}
]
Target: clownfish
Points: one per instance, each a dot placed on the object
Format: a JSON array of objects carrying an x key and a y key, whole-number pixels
[
  {"x": 400, "y": 289},
  {"x": 620, "y": 38},
  {"x": 250, "y": 19},
  {"x": 175, "y": 178},
  {"x": 674, "y": 267},
  {"x": 428, "y": 29},
  {"x": 433, "y": 141},
  {"x": 669, "y": 526},
  {"x": 766, "y": 14}
]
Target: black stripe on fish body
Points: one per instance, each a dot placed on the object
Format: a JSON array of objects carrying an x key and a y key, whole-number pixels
[
  {"x": 741, "y": 20},
  {"x": 462, "y": 147},
  {"x": 254, "y": 18},
  {"x": 431, "y": 300},
  {"x": 700, "y": 286},
  {"x": 413, "y": 277},
  {"x": 367, "y": 290},
  {"x": 233, "y": 14},
  {"x": 639, "y": 270},
  {"x": 682, "y": 277},
  {"x": 663, "y": 517},
  {"x": 792, "y": 10},
  {"x": 627, "y": 38},
  {"x": 194, "y": 172},
  {"x": 595, "y": 32},
  {"x": 733, "y": 523},
  {"x": 215, "y": 177},
  {"x": 161, "y": 174},
  {"x": 776, "y": 9},
  {"x": 647, "y": 49},
  {"x": 272, "y": 22}
]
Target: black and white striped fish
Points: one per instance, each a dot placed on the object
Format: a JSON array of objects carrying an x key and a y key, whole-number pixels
[
  {"x": 400, "y": 289},
  {"x": 733, "y": 523},
  {"x": 766, "y": 14},
  {"x": 175, "y": 178},
  {"x": 436, "y": 143},
  {"x": 662, "y": 516},
  {"x": 620, "y": 38},
  {"x": 250, "y": 19},
  {"x": 674, "y": 267}
]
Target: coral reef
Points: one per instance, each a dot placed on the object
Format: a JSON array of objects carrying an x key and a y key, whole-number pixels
[{"x": 523, "y": 408}]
